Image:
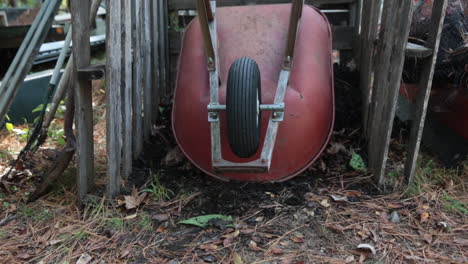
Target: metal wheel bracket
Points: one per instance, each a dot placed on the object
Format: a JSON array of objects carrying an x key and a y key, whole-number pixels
[{"x": 207, "y": 18}]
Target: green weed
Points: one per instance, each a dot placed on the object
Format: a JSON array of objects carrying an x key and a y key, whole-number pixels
[
  {"x": 454, "y": 205},
  {"x": 157, "y": 189}
]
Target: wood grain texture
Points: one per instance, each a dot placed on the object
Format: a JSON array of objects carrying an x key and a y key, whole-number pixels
[
  {"x": 127, "y": 103},
  {"x": 425, "y": 84},
  {"x": 155, "y": 62},
  {"x": 396, "y": 21},
  {"x": 137, "y": 80},
  {"x": 113, "y": 95},
  {"x": 369, "y": 33},
  {"x": 83, "y": 97},
  {"x": 147, "y": 44}
]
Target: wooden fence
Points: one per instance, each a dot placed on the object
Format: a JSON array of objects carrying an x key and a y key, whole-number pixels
[
  {"x": 382, "y": 56},
  {"x": 136, "y": 77}
]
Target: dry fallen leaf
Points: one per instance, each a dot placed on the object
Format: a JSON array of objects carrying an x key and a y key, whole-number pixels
[
  {"x": 134, "y": 200},
  {"x": 232, "y": 235},
  {"x": 276, "y": 250},
  {"x": 325, "y": 203},
  {"x": 247, "y": 230},
  {"x": 298, "y": 238},
  {"x": 353, "y": 193},
  {"x": 161, "y": 229},
  {"x": 173, "y": 157},
  {"x": 424, "y": 217},
  {"x": 208, "y": 247},
  {"x": 85, "y": 258},
  {"x": 336, "y": 147},
  {"x": 253, "y": 246},
  {"x": 160, "y": 217},
  {"x": 367, "y": 247},
  {"x": 395, "y": 205},
  {"x": 349, "y": 259},
  {"x": 339, "y": 198},
  {"x": 24, "y": 256},
  {"x": 428, "y": 238},
  {"x": 237, "y": 259},
  {"x": 132, "y": 216}
]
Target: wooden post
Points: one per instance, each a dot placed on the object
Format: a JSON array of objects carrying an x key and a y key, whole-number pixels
[
  {"x": 113, "y": 94},
  {"x": 137, "y": 81},
  {"x": 127, "y": 150},
  {"x": 369, "y": 33},
  {"x": 394, "y": 33},
  {"x": 155, "y": 62},
  {"x": 163, "y": 47},
  {"x": 83, "y": 97},
  {"x": 425, "y": 84},
  {"x": 147, "y": 98}
]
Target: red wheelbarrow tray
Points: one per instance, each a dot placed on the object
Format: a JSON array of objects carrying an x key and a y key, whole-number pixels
[{"x": 259, "y": 32}]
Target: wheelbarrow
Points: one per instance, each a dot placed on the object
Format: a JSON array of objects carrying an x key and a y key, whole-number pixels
[{"x": 254, "y": 96}]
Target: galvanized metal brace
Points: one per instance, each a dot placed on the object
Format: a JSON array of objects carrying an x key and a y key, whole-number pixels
[{"x": 207, "y": 18}]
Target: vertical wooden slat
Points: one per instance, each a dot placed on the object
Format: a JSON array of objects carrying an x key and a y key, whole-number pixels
[
  {"x": 137, "y": 82},
  {"x": 147, "y": 44},
  {"x": 155, "y": 61},
  {"x": 163, "y": 48},
  {"x": 369, "y": 32},
  {"x": 127, "y": 149},
  {"x": 166, "y": 50},
  {"x": 425, "y": 83},
  {"x": 113, "y": 95},
  {"x": 83, "y": 97},
  {"x": 392, "y": 43}
]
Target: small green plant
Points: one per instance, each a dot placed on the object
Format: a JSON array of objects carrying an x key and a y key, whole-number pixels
[
  {"x": 9, "y": 126},
  {"x": 21, "y": 134},
  {"x": 205, "y": 220},
  {"x": 26, "y": 211},
  {"x": 157, "y": 189},
  {"x": 116, "y": 223},
  {"x": 80, "y": 235},
  {"x": 357, "y": 162},
  {"x": 455, "y": 205},
  {"x": 429, "y": 176},
  {"x": 6, "y": 205},
  {"x": 145, "y": 222}
]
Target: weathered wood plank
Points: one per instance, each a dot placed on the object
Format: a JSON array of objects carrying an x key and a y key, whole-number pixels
[
  {"x": 425, "y": 84},
  {"x": 165, "y": 36},
  {"x": 113, "y": 95},
  {"x": 147, "y": 45},
  {"x": 83, "y": 97},
  {"x": 369, "y": 33},
  {"x": 137, "y": 81},
  {"x": 127, "y": 149},
  {"x": 396, "y": 21},
  {"x": 155, "y": 62},
  {"x": 163, "y": 49}
]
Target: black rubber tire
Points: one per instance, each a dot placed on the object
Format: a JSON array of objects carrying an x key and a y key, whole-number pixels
[{"x": 243, "y": 99}]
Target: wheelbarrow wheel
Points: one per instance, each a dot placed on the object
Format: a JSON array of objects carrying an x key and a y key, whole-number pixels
[{"x": 243, "y": 99}]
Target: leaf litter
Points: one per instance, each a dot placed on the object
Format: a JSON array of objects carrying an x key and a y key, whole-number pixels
[{"x": 322, "y": 216}]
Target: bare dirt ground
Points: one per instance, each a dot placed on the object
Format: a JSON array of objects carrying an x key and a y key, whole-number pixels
[{"x": 332, "y": 213}]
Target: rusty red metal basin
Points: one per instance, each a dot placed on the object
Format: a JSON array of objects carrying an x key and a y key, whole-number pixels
[{"x": 259, "y": 32}]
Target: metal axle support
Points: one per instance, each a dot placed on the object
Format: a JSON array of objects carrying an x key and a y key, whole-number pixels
[{"x": 207, "y": 18}]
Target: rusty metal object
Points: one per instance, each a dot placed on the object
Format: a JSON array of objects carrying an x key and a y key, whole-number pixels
[
  {"x": 296, "y": 13},
  {"x": 205, "y": 15}
]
